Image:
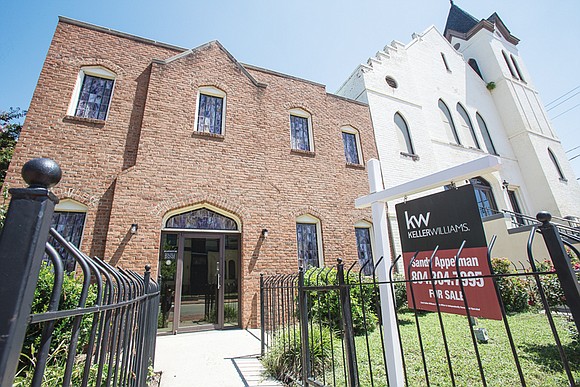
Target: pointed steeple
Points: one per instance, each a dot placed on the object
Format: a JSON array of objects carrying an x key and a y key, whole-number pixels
[
  {"x": 459, "y": 21},
  {"x": 462, "y": 24}
]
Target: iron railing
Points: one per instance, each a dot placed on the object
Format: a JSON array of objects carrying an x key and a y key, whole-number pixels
[
  {"x": 322, "y": 327},
  {"x": 106, "y": 335}
]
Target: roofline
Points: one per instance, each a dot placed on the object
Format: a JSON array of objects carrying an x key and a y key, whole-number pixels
[
  {"x": 276, "y": 73},
  {"x": 64, "y": 19},
  {"x": 347, "y": 99}
]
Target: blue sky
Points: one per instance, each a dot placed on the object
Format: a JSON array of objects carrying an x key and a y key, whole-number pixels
[{"x": 319, "y": 40}]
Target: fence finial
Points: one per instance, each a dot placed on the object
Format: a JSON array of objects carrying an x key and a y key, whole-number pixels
[
  {"x": 148, "y": 267},
  {"x": 41, "y": 173},
  {"x": 544, "y": 216}
]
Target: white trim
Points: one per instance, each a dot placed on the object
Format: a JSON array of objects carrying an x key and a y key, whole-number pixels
[
  {"x": 197, "y": 206},
  {"x": 465, "y": 171},
  {"x": 369, "y": 225},
  {"x": 304, "y": 114},
  {"x": 70, "y": 205},
  {"x": 96, "y": 71},
  {"x": 352, "y": 130},
  {"x": 310, "y": 219},
  {"x": 213, "y": 92}
]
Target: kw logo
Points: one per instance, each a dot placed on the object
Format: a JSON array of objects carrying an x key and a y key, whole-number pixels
[{"x": 415, "y": 222}]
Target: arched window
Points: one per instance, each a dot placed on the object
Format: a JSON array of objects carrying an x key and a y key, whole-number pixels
[
  {"x": 351, "y": 143},
  {"x": 363, "y": 233},
  {"x": 309, "y": 241},
  {"x": 211, "y": 107},
  {"x": 201, "y": 219},
  {"x": 68, "y": 220},
  {"x": 301, "y": 130},
  {"x": 484, "y": 196},
  {"x": 467, "y": 126},
  {"x": 92, "y": 93},
  {"x": 473, "y": 63},
  {"x": 509, "y": 64},
  {"x": 485, "y": 134},
  {"x": 448, "y": 123},
  {"x": 556, "y": 164},
  {"x": 403, "y": 134},
  {"x": 517, "y": 68}
]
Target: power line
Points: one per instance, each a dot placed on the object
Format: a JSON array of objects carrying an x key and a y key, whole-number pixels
[
  {"x": 570, "y": 150},
  {"x": 578, "y": 155},
  {"x": 562, "y": 96},
  {"x": 573, "y": 107},
  {"x": 561, "y": 102}
]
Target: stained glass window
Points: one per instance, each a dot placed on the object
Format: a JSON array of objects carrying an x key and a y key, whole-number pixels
[
  {"x": 307, "y": 245},
  {"x": 94, "y": 97},
  {"x": 70, "y": 225},
  {"x": 209, "y": 115},
  {"x": 201, "y": 219},
  {"x": 350, "y": 148},
  {"x": 299, "y": 130},
  {"x": 365, "y": 253}
]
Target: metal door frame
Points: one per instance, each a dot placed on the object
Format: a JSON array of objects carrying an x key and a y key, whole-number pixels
[{"x": 181, "y": 236}]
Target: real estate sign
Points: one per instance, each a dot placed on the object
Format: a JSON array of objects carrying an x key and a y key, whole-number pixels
[{"x": 446, "y": 219}]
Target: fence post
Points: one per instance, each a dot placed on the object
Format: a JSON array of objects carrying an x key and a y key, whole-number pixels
[
  {"x": 144, "y": 352},
  {"x": 303, "y": 313},
  {"x": 562, "y": 264},
  {"x": 347, "y": 327},
  {"x": 262, "y": 319},
  {"x": 22, "y": 243}
]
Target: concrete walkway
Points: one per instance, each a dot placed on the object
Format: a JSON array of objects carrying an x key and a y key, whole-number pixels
[{"x": 213, "y": 358}]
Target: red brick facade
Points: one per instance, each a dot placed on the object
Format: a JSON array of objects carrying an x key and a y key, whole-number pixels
[{"x": 147, "y": 159}]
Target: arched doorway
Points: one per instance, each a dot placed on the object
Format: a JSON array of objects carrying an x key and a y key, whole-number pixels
[{"x": 199, "y": 270}]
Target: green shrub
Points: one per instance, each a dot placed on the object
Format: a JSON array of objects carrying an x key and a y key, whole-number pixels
[
  {"x": 400, "y": 291},
  {"x": 551, "y": 284},
  {"x": 325, "y": 305},
  {"x": 284, "y": 356},
  {"x": 71, "y": 292},
  {"x": 514, "y": 290}
]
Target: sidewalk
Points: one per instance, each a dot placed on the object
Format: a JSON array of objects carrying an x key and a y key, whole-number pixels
[{"x": 213, "y": 358}]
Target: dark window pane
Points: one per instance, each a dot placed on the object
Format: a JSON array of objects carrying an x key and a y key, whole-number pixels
[
  {"x": 403, "y": 134},
  {"x": 484, "y": 197},
  {"x": 350, "y": 149},
  {"x": 365, "y": 254},
  {"x": 210, "y": 114},
  {"x": 485, "y": 134},
  {"x": 70, "y": 225},
  {"x": 91, "y": 103},
  {"x": 307, "y": 245},
  {"x": 201, "y": 219},
  {"x": 299, "y": 132}
]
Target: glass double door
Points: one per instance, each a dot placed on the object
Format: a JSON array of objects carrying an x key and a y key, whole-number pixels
[{"x": 199, "y": 281}]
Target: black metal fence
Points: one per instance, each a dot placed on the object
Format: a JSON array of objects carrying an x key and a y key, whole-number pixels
[
  {"x": 322, "y": 327},
  {"x": 94, "y": 327}
]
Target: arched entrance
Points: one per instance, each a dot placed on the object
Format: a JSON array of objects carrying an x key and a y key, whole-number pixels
[{"x": 199, "y": 270}]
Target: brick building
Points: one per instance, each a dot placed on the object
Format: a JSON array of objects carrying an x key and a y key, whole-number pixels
[{"x": 184, "y": 158}]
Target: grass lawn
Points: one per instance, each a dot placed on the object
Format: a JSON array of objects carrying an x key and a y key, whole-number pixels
[{"x": 536, "y": 349}]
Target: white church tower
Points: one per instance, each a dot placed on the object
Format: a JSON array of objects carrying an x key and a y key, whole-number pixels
[
  {"x": 491, "y": 50},
  {"x": 444, "y": 99}
]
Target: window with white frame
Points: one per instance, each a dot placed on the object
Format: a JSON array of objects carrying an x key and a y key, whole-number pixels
[
  {"x": 301, "y": 130},
  {"x": 556, "y": 165},
  {"x": 68, "y": 220},
  {"x": 352, "y": 148},
  {"x": 448, "y": 123},
  {"x": 363, "y": 233},
  {"x": 210, "y": 114},
  {"x": 485, "y": 134},
  {"x": 92, "y": 93},
  {"x": 309, "y": 241},
  {"x": 468, "y": 131},
  {"x": 403, "y": 134}
]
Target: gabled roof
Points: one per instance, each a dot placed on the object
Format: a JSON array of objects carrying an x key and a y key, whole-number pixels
[{"x": 462, "y": 25}]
